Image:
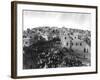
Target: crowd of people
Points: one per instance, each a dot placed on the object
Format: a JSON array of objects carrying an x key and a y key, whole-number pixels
[{"x": 48, "y": 55}]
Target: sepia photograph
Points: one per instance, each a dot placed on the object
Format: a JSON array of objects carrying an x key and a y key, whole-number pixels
[{"x": 53, "y": 39}]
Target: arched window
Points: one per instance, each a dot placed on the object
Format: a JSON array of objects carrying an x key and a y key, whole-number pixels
[
  {"x": 67, "y": 43},
  {"x": 80, "y": 44},
  {"x": 84, "y": 50}
]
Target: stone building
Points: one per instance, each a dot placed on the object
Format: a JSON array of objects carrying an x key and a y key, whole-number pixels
[
  {"x": 65, "y": 39},
  {"x": 74, "y": 42}
]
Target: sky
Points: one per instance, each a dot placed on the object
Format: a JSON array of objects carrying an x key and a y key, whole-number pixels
[{"x": 73, "y": 20}]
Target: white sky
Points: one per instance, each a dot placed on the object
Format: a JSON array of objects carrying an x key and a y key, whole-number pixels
[{"x": 33, "y": 19}]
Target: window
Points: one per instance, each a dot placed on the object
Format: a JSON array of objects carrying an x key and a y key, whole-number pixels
[
  {"x": 26, "y": 42},
  {"x": 67, "y": 43},
  {"x": 84, "y": 50},
  {"x": 24, "y": 36},
  {"x": 80, "y": 44},
  {"x": 30, "y": 36}
]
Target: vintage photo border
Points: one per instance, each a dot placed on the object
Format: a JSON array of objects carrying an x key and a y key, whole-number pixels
[{"x": 14, "y": 37}]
